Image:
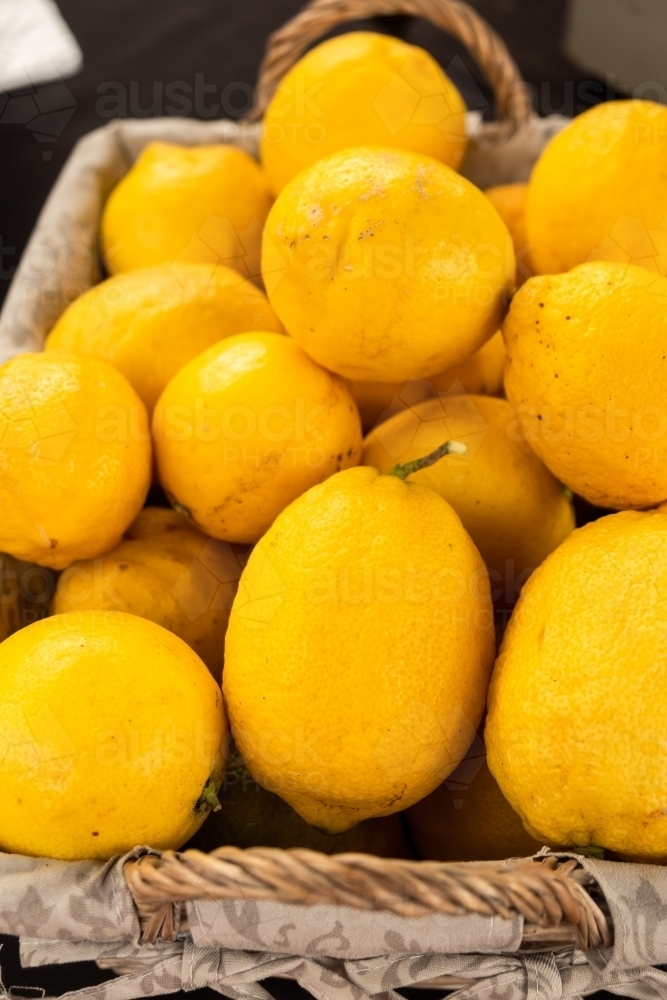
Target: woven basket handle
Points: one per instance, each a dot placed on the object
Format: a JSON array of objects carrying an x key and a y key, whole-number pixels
[
  {"x": 285, "y": 47},
  {"x": 551, "y": 895}
]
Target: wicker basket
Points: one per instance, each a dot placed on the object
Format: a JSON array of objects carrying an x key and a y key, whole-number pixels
[{"x": 565, "y": 907}]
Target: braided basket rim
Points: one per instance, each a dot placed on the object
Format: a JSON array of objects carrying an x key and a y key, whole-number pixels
[
  {"x": 285, "y": 47},
  {"x": 552, "y": 895}
]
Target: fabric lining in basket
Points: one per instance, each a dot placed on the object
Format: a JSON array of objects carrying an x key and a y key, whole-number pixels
[{"x": 70, "y": 911}]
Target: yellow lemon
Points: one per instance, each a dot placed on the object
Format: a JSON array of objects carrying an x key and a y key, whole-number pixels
[
  {"x": 509, "y": 201},
  {"x": 468, "y": 818},
  {"x": 386, "y": 265},
  {"x": 587, "y": 373},
  {"x": 514, "y": 510},
  {"x": 150, "y": 322},
  {"x": 112, "y": 732},
  {"x": 248, "y": 426},
  {"x": 252, "y": 817},
  {"x": 599, "y": 190},
  {"x": 361, "y": 88},
  {"x": 575, "y": 732},
  {"x": 480, "y": 374},
  {"x": 75, "y": 457},
  {"x": 187, "y": 203},
  {"x": 164, "y": 570},
  {"x": 358, "y": 649}
]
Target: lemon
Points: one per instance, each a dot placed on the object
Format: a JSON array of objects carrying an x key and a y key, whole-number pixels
[
  {"x": 358, "y": 649},
  {"x": 599, "y": 190},
  {"x": 150, "y": 322},
  {"x": 587, "y": 374},
  {"x": 252, "y": 817},
  {"x": 164, "y": 570},
  {"x": 361, "y": 88},
  {"x": 514, "y": 510},
  {"x": 75, "y": 457},
  {"x": 575, "y": 732},
  {"x": 187, "y": 203},
  {"x": 386, "y": 265},
  {"x": 245, "y": 428},
  {"x": 468, "y": 818},
  {"x": 481, "y": 373},
  {"x": 509, "y": 201},
  {"x": 111, "y": 730}
]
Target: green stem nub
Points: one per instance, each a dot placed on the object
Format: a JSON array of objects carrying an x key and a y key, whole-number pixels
[
  {"x": 209, "y": 797},
  {"x": 590, "y": 851},
  {"x": 448, "y": 448},
  {"x": 181, "y": 509}
]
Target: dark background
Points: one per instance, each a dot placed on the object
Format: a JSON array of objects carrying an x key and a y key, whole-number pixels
[{"x": 136, "y": 48}]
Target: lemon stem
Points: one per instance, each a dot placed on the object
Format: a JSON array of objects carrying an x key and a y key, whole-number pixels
[
  {"x": 209, "y": 797},
  {"x": 448, "y": 448},
  {"x": 590, "y": 851},
  {"x": 180, "y": 509}
]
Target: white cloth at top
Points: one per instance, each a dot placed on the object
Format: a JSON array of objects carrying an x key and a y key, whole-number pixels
[{"x": 36, "y": 46}]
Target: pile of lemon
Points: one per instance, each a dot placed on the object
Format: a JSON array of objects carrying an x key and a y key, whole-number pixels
[{"x": 301, "y": 364}]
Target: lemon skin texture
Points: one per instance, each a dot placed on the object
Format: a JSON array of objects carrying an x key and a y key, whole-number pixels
[
  {"x": 514, "y": 510},
  {"x": 245, "y": 428},
  {"x": 587, "y": 374},
  {"x": 599, "y": 190},
  {"x": 361, "y": 88},
  {"x": 110, "y": 729},
  {"x": 468, "y": 818},
  {"x": 358, "y": 649},
  {"x": 480, "y": 374},
  {"x": 386, "y": 265},
  {"x": 150, "y": 322},
  {"x": 75, "y": 457},
  {"x": 165, "y": 570},
  {"x": 187, "y": 203},
  {"x": 509, "y": 201},
  {"x": 575, "y": 731}
]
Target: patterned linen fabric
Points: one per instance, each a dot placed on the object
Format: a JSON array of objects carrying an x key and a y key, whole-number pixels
[{"x": 68, "y": 912}]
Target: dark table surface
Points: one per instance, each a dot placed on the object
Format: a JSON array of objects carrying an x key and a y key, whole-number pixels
[{"x": 132, "y": 50}]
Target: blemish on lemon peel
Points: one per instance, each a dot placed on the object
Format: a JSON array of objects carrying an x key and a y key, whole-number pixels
[{"x": 377, "y": 191}]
